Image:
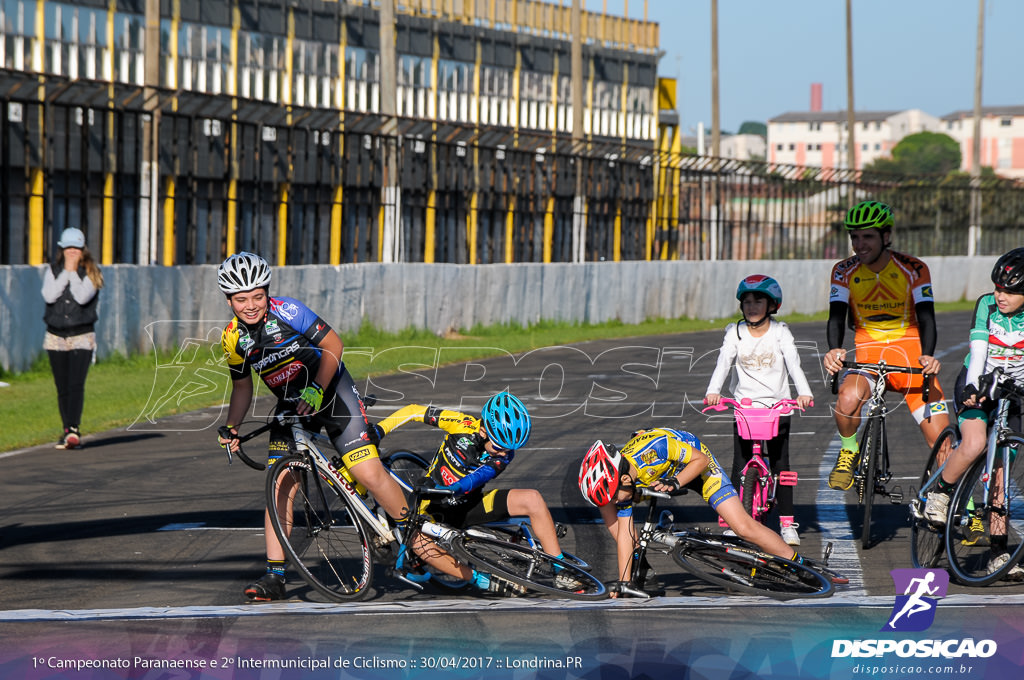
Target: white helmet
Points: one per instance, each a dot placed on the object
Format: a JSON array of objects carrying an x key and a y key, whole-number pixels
[{"x": 242, "y": 272}]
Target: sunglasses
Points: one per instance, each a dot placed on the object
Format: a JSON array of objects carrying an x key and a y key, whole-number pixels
[{"x": 494, "y": 447}]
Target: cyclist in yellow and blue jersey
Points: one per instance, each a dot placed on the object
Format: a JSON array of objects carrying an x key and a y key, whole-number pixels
[
  {"x": 666, "y": 460},
  {"x": 298, "y": 356},
  {"x": 473, "y": 452},
  {"x": 887, "y": 296}
]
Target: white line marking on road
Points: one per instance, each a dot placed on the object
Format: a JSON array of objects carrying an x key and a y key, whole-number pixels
[
  {"x": 835, "y": 526},
  {"x": 201, "y": 526},
  {"x": 844, "y": 598}
]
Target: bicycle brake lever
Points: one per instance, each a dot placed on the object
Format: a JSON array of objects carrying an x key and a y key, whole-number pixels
[{"x": 225, "y": 433}]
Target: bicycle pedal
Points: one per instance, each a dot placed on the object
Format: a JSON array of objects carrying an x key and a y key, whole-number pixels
[
  {"x": 561, "y": 530},
  {"x": 788, "y": 478},
  {"x": 896, "y": 496}
]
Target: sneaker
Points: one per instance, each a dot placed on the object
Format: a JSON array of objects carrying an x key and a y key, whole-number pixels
[
  {"x": 789, "y": 534},
  {"x": 268, "y": 587},
  {"x": 564, "y": 580},
  {"x": 841, "y": 477},
  {"x": 937, "y": 508},
  {"x": 500, "y": 586},
  {"x": 62, "y": 443},
  {"x": 974, "y": 534},
  {"x": 73, "y": 438},
  {"x": 730, "y": 533},
  {"x": 997, "y": 562}
]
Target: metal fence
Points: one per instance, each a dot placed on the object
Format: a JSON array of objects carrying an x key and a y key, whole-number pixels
[{"x": 305, "y": 186}]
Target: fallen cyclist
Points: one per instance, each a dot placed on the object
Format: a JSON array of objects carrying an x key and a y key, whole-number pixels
[
  {"x": 473, "y": 452},
  {"x": 667, "y": 461}
]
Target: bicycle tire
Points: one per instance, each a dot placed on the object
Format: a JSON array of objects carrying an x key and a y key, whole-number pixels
[
  {"x": 1015, "y": 501},
  {"x": 532, "y": 569},
  {"x": 927, "y": 541},
  {"x": 325, "y": 541},
  {"x": 872, "y": 449},
  {"x": 748, "y": 570},
  {"x": 511, "y": 535},
  {"x": 751, "y": 484},
  {"x": 968, "y": 560},
  {"x": 409, "y": 466},
  {"x": 969, "y": 556}
]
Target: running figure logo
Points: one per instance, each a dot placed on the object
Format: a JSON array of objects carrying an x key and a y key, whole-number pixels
[{"x": 915, "y": 608}]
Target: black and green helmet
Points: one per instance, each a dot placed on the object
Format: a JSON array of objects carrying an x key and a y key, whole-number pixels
[{"x": 869, "y": 215}]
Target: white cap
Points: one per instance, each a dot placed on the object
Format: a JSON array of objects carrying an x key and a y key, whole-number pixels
[{"x": 71, "y": 238}]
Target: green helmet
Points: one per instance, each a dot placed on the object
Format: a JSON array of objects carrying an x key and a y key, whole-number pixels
[{"x": 869, "y": 215}]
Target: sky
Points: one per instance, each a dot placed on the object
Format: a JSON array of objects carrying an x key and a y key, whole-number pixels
[{"x": 907, "y": 54}]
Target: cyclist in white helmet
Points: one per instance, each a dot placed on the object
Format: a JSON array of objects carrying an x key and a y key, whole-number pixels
[{"x": 298, "y": 356}]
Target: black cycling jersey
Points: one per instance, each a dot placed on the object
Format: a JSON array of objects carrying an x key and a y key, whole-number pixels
[{"x": 281, "y": 348}]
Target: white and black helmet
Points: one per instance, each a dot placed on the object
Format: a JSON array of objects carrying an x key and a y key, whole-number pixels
[{"x": 242, "y": 272}]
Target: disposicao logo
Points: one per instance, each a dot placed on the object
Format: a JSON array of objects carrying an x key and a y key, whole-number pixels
[
  {"x": 915, "y": 608},
  {"x": 914, "y": 611}
]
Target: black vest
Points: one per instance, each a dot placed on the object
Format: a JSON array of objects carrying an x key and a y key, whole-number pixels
[{"x": 66, "y": 317}]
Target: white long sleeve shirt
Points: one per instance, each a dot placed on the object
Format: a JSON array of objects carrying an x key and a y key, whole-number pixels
[{"x": 763, "y": 365}]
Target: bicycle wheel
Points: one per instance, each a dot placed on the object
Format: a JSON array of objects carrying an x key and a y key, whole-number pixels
[
  {"x": 410, "y": 467},
  {"x": 736, "y": 568},
  {"x": 975, "y": 518},
  {"x": 1014, "y": 502},
  {"x": 872, "y": 449},
  {"x": 927, "y": 541},
  {"x": 750, "y": 492},
  {"x": 533, "y": 569},
  {"x": 324, "y": 541}
]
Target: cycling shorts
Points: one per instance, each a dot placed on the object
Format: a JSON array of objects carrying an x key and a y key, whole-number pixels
[
  {"x": 903, "y": 352},
  {"x": 985, "y": 411},
  {"x": 490, "y": 506}
]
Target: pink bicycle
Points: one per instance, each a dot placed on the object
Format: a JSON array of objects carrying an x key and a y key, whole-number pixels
[{"x": 757, "y": 481}]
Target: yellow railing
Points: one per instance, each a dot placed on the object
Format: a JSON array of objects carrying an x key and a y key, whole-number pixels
[{"x": 549, "y": 19}]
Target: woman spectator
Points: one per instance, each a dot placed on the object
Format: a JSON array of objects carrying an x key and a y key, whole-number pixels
[{"x": 71, "y": 287}]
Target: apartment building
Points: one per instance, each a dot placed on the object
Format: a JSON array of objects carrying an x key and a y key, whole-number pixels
[
  {"x": 1002, "y": 138},
  {"x": 820, "y": 138}
]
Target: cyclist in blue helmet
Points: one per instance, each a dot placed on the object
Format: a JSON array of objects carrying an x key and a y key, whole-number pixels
[{"x": 473, "y": 452}]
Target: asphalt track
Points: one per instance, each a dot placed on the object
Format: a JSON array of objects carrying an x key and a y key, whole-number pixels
[{"x": 132, "y": 553}]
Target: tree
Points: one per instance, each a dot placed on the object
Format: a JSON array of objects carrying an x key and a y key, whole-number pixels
[
  {"x": 751, "y": 127},
  {"x": 922, "y": 153}
]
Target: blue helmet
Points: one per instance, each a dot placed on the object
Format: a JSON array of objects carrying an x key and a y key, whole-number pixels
[{"x": 507, "y": 421}]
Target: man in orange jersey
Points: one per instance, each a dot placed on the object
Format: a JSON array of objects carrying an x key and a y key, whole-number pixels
[{"x": 888, "y": 297}]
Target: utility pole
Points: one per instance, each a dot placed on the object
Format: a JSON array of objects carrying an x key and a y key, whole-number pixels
[
  {"x": 851, "y": 119},
  {"x": 150, "y": 176},
  {"x": 974, "y": 231},
  {"x": 579, "y": 221},
  {"x": 716, "y": 142},
  {"x": 391, "y": 247}
]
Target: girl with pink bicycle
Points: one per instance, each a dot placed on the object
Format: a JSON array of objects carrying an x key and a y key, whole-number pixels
[{"x": 763, "y": 352}]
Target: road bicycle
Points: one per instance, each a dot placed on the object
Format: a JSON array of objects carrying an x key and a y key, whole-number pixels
[
  {"x": 758, "y": 484},
  {"x": 872, "y": 475},
  {"x": 413, "y": 466},
  {"x": 928, "y": 541},
  {"x": 989, "y": 499},
  {"x": 333, "y": 531},
  {"x": 725, "y": 561}
]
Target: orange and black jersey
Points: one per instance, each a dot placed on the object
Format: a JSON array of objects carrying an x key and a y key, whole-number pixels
[
  {"x": 883, "y": 305},
  {"x": 461, "y": 462},
  {"x": 282, "y": 348}
]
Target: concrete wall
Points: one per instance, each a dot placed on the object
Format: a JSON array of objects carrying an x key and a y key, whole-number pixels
[{"x": 143, "y": 305}]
